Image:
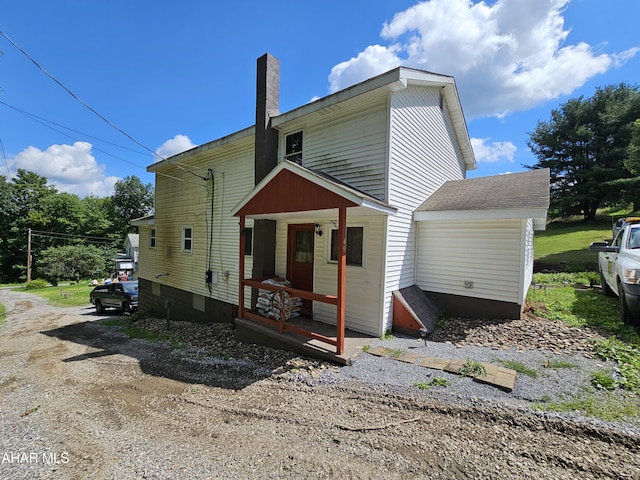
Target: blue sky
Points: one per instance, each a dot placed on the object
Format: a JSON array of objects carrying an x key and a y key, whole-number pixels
[{"x": 173, "y": 75}]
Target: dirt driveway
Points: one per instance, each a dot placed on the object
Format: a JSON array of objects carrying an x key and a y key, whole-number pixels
[{"x": 79, "y": 400}]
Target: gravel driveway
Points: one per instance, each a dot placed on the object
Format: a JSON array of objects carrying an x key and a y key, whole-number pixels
[{"x": 81, "y": 400}]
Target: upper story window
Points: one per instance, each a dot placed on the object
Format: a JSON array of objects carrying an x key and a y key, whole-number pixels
[
  {"x": 152, "y": 238},
  {"x": 355, "y": 246},
  {"x": 293, "y": 147},
  {"x": 187, "y": 239}
]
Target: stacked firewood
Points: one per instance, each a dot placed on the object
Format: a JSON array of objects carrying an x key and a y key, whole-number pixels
[{"x": 278, "y": 305}]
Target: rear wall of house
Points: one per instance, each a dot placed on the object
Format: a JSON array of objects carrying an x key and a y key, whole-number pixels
[{"x": 183, "y": 199}]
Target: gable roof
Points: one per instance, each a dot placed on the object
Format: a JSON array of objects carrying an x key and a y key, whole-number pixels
[
  {"x": 274, "y": 196},
  {"x": 393, "y": 80},
  {"x": 146, "y": 220},
  {"x": 132, "y": 239},
  {"x": 516, "y": 195}
]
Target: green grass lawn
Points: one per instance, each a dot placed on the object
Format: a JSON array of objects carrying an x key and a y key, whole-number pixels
[
  {"x": 565, "y": 246},
  {"x": 64, "y": 295}
]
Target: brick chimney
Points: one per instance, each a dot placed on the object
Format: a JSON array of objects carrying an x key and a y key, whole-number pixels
[{"x": 266, "y": 158}]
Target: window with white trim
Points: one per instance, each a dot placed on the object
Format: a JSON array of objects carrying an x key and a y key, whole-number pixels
[
  {"x": 293, "y": 147},
  {"x": 355, "y": 246},
  {"x": 187, "y": 239},
  {"x": 152, "y": 238}
]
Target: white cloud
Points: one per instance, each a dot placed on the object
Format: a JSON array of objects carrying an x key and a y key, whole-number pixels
[
  {"x": 494, "y": 151},
  {"x": 175, "y": 145},
  {"x": 70, "y": 168},
  {"x": 506, "y": 56},
  {"x": 374, "y": 60}
]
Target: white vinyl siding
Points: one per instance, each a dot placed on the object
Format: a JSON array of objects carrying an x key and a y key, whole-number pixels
[
  {"x": 351, "y": 148},
  {"x": 184, "y": 199},
  {"x": 527, "y": 259},
  {"x": 363, "y": 285},
  {"x": 424, "y": 153},
  {"x": 485, "y": 252}
]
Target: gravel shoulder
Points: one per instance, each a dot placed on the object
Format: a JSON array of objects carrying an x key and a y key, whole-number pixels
[{"x": 81, "y": 400}]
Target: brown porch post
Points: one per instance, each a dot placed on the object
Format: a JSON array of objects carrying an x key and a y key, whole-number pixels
[
  {"x": 241, "y": 268},
  {"x": 342, "y": 267}
]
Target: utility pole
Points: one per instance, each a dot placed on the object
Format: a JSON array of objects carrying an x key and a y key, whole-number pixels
[{"x": 29, "y": 256}]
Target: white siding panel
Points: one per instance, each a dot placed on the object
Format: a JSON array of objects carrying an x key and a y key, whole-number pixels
[
  {"x": 363, "y": 285},
  {"x": 351, "y": 148},
  {"x": 424, "y": 154},
  {"x": 183, "y": 198},
  {"x": 528, "y": 259},
  {"x": 487, "y": 253}
]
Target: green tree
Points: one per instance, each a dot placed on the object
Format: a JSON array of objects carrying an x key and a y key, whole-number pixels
[
  {"x": 584, "y": 145},
  {"x": 71, "y": 262},
  {"x": 632, "y": 161},
  {"x": 132, "y": 199},
  {"x": 8, "y": 213},
  {"x": 27, "y": 193},
  {"x": 99, "y": 217},
  {"x": 63, "y": 213}
]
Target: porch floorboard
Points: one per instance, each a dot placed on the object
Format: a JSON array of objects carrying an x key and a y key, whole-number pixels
[{"x": 250, "y": 331}]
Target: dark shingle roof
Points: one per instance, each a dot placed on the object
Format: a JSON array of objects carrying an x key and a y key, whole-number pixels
[{"x": 526, "y": 190}]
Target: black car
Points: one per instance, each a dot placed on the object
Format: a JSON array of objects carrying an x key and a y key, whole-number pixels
[{"x": 120, "y": 295}]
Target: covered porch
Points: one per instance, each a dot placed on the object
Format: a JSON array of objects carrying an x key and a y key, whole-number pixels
[{"x": 292, "y": 194}]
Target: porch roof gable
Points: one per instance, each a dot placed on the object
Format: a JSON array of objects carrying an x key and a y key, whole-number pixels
[{"x": 293, "y": 188}]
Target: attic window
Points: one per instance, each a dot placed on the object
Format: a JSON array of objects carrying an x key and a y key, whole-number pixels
[{"x": 293, "y": 145}]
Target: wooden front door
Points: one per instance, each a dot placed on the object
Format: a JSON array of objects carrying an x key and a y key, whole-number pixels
[{"x": 300, "y": 246}]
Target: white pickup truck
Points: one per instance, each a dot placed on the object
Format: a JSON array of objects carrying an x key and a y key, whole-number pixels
[{"x": 619, "y": 265}]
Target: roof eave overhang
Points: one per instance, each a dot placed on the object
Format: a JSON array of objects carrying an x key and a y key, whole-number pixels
[
  {"x": 174, "y": 161},
  {"x": 539, "y": 215},
  {"x": 386, "y": 82},
  {"x": 393, "y": 80},
  {"x": 143, "y": 221}
]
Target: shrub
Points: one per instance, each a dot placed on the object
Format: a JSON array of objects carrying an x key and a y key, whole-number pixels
[{"x": 36, "y": 284}]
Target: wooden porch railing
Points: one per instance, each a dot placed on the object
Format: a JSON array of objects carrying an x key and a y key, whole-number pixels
[{"x": 281, "y": 324}]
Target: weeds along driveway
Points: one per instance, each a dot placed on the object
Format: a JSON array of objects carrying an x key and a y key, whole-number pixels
[{"x": 80, "y": 400}]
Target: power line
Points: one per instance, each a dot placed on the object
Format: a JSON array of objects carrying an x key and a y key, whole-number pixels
[
  {"x": 87, "y": 106},
  {"x": 69, "y": 236},
  {"x": 5, "y": 160},
  {"x": 78, "y": 99},
  {"x": 44, "y": 121}
]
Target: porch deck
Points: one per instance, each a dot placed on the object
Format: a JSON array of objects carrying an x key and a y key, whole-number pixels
[{"x": 251, "y": 331}]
